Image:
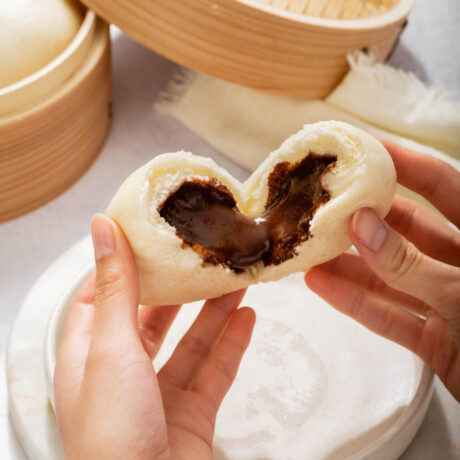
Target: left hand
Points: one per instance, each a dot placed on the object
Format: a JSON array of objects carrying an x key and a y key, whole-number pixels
[
  {"x": 110, "y": 402},
  {"x": 405, "y": 285}
]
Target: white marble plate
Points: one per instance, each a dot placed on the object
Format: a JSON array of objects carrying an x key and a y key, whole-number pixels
[{"x": 313, "y": 384}]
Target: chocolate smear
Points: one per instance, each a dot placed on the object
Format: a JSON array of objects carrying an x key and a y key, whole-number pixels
[{"x": 206, "y": 216}]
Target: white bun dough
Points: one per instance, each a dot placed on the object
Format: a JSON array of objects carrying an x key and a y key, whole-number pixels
[
  {"x": 32, "y": 34},
  {"x": 172, "y": 272}
]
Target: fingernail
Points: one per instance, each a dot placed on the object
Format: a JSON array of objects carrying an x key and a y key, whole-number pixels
[
  {"x": 369, "y": 229},
  {"x": 103, "y": 239}
]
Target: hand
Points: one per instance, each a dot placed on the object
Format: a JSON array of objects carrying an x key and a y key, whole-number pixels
[
  {"x": 110, "y": 402},
  {"x": 408, "y": 292}
]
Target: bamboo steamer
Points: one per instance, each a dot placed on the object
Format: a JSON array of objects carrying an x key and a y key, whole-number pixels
[
  {"x": 269, "y": 45},
  {"x": 54, "y": 122}
]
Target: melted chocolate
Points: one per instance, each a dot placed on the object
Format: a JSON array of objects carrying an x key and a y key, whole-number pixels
[{"x": 207, "y": 218}]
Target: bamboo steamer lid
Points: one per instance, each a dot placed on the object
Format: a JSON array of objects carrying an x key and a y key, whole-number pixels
[{"x": 289, "y": 47}]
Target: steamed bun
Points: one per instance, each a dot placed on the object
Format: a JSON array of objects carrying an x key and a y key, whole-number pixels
[
  {"x": 32, "y": 34},
  {"x": 176, "y": 265}
]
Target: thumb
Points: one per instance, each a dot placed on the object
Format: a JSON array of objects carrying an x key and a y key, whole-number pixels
[
  {"x": 402, "y": 266},
  {"x": 117, "y": 286}
]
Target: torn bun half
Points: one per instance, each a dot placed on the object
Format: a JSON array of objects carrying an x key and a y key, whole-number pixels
[{"x": 197, "y": 232}]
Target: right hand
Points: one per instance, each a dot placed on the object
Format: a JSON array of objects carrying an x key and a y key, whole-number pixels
[
  {"x": 406, "y": 291},
  {"x": 110, "y": 401}
]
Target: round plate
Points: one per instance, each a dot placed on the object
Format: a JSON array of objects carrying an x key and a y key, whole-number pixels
[{"x": 313, "y": 384}]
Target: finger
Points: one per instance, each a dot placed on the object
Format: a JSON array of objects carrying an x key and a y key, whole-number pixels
[
  {"x": 431, "y": 235},
  {"x": 402, "y": 266},
  {"x": 217, "y": 374},
  {"x": 198, "y": 342},
  {"x": 154, "y": 323},
  {"x": 437, "y": 348},
  {"x": 117, "y": 285},
  {"x": 434, "y": 179},
  {"x": 119, "y": 385},
  {"x": 378, "y": 315},
  {"x": 72, "y": 354},
  {"x": 355, "y": 270},
  {"x": 430, "y": 339}
]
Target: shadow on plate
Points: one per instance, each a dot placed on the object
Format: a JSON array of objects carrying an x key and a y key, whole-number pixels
[
  {"x": 353, "y": 446},
  {"x": 432, "y": 433}
]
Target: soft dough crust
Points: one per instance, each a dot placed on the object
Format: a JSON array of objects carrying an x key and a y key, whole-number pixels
[
  {"x": 33, "y": 33},
  {"x": 172, "y": 273}
]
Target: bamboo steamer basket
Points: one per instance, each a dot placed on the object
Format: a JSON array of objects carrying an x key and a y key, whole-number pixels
[
  {"x": 54, "y": 122},
  {"x": 269, "y": 45}
]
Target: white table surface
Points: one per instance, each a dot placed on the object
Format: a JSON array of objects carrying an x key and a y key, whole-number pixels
[{"x": 429, "y": 46}]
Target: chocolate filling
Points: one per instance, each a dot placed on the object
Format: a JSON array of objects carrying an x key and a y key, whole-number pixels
[{"x": 207, "y": 218}]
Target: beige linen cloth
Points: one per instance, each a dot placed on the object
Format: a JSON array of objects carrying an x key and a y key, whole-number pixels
[{"x": 246, "y": 125}]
